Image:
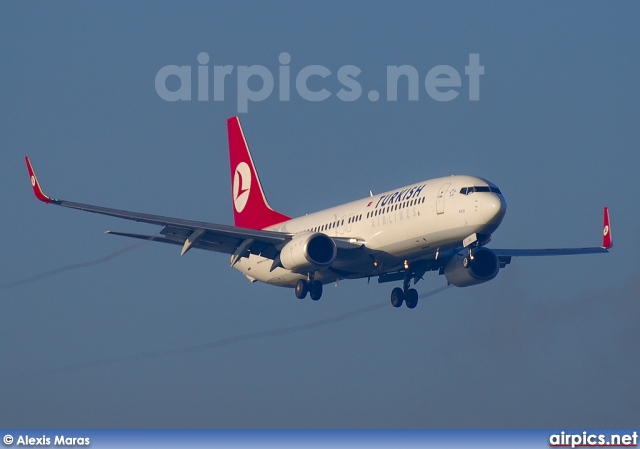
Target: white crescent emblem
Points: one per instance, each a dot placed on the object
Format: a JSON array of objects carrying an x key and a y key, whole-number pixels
[
  {"x": 241, "y": 186},
  {"x": 606, "y": 230},
  {"x": 33, "y": 181}
]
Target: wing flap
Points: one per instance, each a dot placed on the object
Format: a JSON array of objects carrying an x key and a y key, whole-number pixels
[
  {"x": 207, "y": 245},
  {"x": 154, "y": 238}
]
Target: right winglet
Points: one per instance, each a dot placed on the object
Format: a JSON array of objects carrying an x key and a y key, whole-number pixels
[
  {"x": 37, "y": 190},
  {"x": 607, "y": 238}
]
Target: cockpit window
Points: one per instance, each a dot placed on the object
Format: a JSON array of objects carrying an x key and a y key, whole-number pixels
[{"x": 470, "y": 190}]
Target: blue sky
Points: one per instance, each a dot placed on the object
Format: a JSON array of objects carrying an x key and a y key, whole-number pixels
[{"x": 151, "y": 339}]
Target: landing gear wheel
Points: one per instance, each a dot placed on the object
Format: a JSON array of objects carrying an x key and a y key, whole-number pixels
[
  {"x": 301, "y": 289},
  {"x": 315, "y": 290},
  {"x": 411, "y": 298},
  {"x": 397, "y": 297}
]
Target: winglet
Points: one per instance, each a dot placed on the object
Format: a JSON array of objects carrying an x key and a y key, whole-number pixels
[
  {"x": 37, "y": 190},
  {"x": 607, "y": 238}
]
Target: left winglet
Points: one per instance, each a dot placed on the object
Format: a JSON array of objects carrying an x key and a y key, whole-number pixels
[
  {"x": 607, "y": 238},
  {"x": 37, "y": 190}
]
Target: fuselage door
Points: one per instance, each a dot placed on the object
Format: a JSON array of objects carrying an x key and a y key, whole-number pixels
[{"x": 440, "y": 198}]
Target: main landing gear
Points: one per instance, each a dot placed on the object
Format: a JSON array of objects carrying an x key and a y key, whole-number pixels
[
  {"x": 405, "y": 294},
  {"x": 314, "y": 288}
]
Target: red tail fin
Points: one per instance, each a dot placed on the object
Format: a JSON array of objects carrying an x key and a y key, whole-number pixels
[
  {"x": 250, "y": 207},
  {"x": 607, "y": 238}
]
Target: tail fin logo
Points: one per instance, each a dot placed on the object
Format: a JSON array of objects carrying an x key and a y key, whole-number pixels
[{"x": 241, "y": 186}]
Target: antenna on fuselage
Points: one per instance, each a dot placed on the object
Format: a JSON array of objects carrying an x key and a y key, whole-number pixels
[{"x": 370, "y": 192}]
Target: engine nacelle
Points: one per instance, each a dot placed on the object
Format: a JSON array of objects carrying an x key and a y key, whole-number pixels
[
  {"x": 463, "y": 272},
  {"x": 308, "y": 251}
]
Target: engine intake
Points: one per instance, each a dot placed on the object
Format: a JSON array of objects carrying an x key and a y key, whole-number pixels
[
  {"x": 463, "y": 272},
  {"x": 308, "y": 251}
]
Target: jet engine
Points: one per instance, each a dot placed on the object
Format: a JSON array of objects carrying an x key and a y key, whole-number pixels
[
  {"x": 308, "y": 251},
  {"x": 462, "y": 271}
]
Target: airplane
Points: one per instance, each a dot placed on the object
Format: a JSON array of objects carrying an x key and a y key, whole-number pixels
[{"x": 441, "y": 224}]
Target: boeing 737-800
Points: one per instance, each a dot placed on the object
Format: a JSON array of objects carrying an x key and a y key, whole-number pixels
[{"x": 440, "y": 225}]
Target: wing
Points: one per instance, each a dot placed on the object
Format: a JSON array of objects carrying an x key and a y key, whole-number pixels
[
  {"x": 240, "y": 242},
  {"x": 607, "y": 244},
  {"x": 188, "y": 233}
]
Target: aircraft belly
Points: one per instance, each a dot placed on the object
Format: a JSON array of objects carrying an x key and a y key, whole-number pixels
[{"x": 258, "y": 268}]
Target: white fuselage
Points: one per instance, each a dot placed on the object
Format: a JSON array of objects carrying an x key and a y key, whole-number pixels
[{"x": 409, "y": 224}]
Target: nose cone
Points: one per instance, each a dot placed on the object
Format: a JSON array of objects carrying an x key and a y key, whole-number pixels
[{"x": 493, "y": 207}]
